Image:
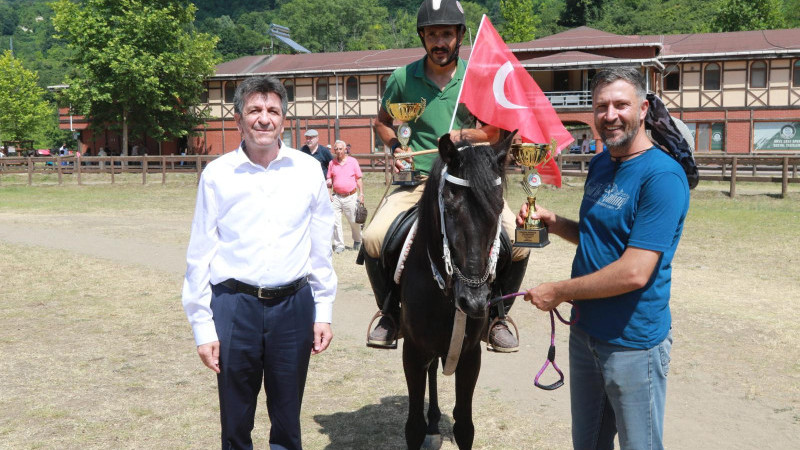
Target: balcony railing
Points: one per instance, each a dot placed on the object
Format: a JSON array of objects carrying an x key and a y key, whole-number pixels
[{"x": 569, "y": 99}]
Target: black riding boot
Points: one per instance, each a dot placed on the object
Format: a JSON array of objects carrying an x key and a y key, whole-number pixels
[
  {"x": 508, "y": 281},
  {"x": 384, "y": 335}
]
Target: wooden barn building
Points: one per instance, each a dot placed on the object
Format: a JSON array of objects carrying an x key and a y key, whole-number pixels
[{"x": 738, "y": 92}]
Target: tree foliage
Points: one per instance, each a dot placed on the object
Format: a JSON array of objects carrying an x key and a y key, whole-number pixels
[
  {"x": 23, "y": 108},
  {"x": 742, "y": 15},
  {"x": 519, "y": 20},
  {"x": 140, "y": 64}
]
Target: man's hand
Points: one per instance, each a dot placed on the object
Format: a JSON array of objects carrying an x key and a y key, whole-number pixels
[
  {"x": 209, "y": 354},
  {"x": 544, "y": 297},
  {"x": 322, "y": 337},
  {"x": 548, "y": 217}
]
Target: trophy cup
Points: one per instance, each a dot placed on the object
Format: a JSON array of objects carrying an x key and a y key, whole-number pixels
[
  {"x": 406, "y": 112},
  {"x": 534, "y": 231}
]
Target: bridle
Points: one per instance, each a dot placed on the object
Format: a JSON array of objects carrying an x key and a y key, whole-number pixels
[
  {"x": 449, "y": 267},
  {"x": 551, "y": 353}
]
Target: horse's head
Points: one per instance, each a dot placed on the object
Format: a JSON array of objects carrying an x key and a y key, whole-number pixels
[{"x": 470, "y": 205}]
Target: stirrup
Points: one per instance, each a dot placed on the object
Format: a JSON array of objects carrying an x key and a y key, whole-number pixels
[
  {"x": 489, "y": 345},
  {"x": 382, "y": 344}
]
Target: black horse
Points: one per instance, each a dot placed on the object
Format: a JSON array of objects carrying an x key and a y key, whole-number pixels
[{"x": 450, "y": 267}]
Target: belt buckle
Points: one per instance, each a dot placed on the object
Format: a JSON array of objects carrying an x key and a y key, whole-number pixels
[{"x": 263, "y": 297}]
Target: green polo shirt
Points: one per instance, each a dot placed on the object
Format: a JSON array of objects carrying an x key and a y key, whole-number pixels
[{"x": 408, "y": 85}]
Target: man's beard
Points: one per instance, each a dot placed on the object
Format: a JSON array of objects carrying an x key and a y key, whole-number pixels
[{"x": 629, "y": 131}]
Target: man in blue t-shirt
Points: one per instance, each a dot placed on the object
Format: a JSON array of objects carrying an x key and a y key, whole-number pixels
[{"x": 635, "y": 201}]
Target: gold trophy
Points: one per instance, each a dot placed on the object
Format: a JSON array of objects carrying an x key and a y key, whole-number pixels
[
  {"x": 534, "y": 231},
  {"x": 406, "y": 112}
]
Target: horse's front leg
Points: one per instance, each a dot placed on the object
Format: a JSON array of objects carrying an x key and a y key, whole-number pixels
[
  {"x": 415, "y": 368},
  {"x": 433, "y": 438},
  {"x": 469, "y": 366}
]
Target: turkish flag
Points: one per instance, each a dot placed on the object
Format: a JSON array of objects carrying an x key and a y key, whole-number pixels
[{"x": 517, "y": 102}]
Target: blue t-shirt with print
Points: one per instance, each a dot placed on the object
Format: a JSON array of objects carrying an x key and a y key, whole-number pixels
[{"x": 642, "y": 203}]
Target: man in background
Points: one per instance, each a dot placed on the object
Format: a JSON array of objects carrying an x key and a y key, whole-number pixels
[
  {"x": 347, "y": 190},
  {"x": 319, "y": 152}
]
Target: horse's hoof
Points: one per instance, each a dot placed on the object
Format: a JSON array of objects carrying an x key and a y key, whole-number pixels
[{"x": 432, "y": 442}]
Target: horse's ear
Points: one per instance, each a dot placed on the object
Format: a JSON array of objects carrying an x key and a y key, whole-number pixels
[
  {"x": 501, "y": 147},
  {"x": 447, "y": 150}
]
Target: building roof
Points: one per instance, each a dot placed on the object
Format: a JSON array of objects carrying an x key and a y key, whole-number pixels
[
  {"x": 581, "y": 47},
  {"x": 582, "y": 60},
  {"x": 730, "y": 45}
]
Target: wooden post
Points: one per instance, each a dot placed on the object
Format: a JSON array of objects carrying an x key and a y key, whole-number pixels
[
  {"x": 144, "y": 169},
  {"x": 111, "y": 163},
  {"x": 58, "y": 165},
  {"x": 785, "y": 178},
  {"x": 78, "y": 169},
  {"x": 163, "y": 170},
  {"x": 30, "y": 171},
  {"x": 199, "y": 167},
  {"x": 734, "y": 167}
]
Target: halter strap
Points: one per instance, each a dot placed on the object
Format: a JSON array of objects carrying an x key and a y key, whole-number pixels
[{"x": 493, "y": 252}]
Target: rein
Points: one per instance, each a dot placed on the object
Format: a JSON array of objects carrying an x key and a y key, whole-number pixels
[{"x": 551, "y": 353}]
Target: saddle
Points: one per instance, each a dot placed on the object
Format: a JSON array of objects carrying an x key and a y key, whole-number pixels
[{"x": 398, "y": 231}]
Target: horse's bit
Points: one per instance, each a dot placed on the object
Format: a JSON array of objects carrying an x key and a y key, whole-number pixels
[{"x": 551, "y": 353}]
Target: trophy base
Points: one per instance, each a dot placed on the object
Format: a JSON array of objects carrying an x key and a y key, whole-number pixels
[
  {"x": 533, "y": 238},
  {"x": 407, "y": 178}
]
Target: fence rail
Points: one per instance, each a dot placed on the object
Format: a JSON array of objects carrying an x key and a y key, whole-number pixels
[{"x": 755, "y": 168}]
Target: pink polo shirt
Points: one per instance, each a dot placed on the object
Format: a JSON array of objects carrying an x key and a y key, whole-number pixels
[{"x": 344, "y": 175}]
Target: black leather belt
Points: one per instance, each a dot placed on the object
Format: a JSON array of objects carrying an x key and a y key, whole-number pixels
[{"x": 266, "y": 293}]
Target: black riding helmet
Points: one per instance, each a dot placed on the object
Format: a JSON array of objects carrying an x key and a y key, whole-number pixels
[{"x": 441, "y": 12}]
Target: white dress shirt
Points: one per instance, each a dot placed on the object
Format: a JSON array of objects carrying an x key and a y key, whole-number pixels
[{"x": 262, "y": 226}]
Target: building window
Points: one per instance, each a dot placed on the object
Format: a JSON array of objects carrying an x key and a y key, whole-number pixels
[
  {"x": 289, "y": 85},
  {"x": 796, "y": 74},
  {"x": 230, "y": 91},
  {"x": 385, "y": 78},
  {"x": 351, "y": 93},
  {"x": 758, "y": 75},
  {"x": 709, "y": 136},
  {"x": 322, "y": 89},
  {"x": 204, "y": 94},
  {"x": 711, "y": 77},
  {"x": 672, "y": 78}
]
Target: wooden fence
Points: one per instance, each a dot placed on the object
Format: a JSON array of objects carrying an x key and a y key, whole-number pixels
[{"x": 755, "y": 168}]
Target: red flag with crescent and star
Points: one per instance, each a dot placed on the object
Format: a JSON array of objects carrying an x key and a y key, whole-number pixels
[{"x": 519, "y": 103}]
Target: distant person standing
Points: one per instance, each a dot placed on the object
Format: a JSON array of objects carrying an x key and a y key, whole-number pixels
[
  {"x": 586, "y": 145},
  {"x": 63, "y": 150},
  {"x": 347, "y": 189},
  {"x": 320, "y": 152}
]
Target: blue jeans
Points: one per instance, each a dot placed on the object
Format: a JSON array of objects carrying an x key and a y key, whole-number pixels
[{"x": 617, "y": 389}]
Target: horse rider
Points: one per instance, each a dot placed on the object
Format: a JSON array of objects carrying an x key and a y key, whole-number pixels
[{"x": 437, "y": 79}]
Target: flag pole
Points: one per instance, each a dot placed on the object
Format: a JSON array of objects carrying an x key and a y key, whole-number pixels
[{"x": 461, "y": 88}]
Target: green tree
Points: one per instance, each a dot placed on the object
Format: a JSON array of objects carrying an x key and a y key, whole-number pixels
[
  {"x": 519, "y": 20},
  {"x": 744, "y": 15},
  {"x": 141, "y": 64},
  {"x": 23, "y": 108}
]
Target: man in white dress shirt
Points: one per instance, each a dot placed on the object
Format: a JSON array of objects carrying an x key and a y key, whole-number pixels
[{"x": 260, "y": 284}]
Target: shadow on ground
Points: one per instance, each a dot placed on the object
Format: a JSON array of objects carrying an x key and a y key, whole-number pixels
[{"x": 374, "y": 426}]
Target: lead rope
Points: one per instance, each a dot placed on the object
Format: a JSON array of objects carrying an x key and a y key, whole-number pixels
[{"x": 551, "y": 352}]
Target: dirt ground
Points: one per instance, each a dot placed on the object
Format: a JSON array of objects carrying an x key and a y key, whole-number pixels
[{"x": 735, "y": 373}]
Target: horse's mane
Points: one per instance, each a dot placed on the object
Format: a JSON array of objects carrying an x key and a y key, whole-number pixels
[{"x": 477, "y": 164}]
